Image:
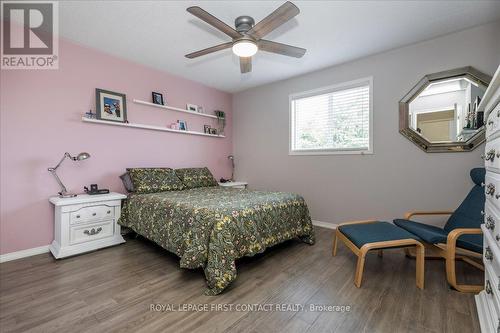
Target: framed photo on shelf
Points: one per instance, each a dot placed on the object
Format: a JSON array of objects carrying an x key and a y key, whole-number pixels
[
  {"x": 200, "y": 109},
  {"x": 206, "y": 129},
  {"x": 110, "y": 105},
  {"x": 182, "y": 125},
  {"x": 213, "y": 131},
  {"x": 192, "y": 107},
  {"x": 157, "y": 98}
]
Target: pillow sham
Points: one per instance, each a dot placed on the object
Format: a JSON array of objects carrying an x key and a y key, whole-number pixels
[
  {"x": 151, "y": 180},
  {"x": 127, "y": 182},
  {"x": 196, "y": 177}
]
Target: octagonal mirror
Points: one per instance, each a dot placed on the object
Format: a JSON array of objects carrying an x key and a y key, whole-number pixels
[{"x": 440, "y": 114}]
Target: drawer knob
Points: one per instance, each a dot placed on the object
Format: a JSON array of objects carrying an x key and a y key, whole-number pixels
[
  {"x": 94, "y": 214},
  {"x": 488, "y": 255},
  {"x": 92, "y": 231},
  {"x": 78, "y": 216},
  {"x": 491, "y": 122},
  {"x": 109, "y": 212},
  {"x": 490, "y": 223},
  {"x": 497, "y": 238},
  {"x": 490, "y": 189},
  {"x": 490, "y": 155},
  {"x": 488, "y": 288}
]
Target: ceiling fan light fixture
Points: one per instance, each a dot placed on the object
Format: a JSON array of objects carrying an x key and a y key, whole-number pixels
[{"x": 245, "y": 48}]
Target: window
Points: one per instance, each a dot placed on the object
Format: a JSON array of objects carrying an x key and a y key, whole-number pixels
[{"x": 332, "y": 120}]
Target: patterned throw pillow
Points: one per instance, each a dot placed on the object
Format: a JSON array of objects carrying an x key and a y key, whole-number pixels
[
  {"x": 196, "y": 177},
  {"x": 127, "y": 182},
  {"x": 151, "y": 180}
]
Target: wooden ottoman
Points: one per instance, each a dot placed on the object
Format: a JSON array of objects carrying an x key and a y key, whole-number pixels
[{"x": 363, "y": 236}]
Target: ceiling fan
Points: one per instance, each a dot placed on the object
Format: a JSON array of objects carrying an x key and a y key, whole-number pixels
[{"x": 247, "y": 37}]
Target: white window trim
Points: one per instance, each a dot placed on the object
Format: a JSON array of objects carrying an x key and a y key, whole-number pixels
[{"x": 325, "y": 90}]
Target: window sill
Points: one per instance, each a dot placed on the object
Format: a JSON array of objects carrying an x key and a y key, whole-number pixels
[{"x": 330, "y": 152}]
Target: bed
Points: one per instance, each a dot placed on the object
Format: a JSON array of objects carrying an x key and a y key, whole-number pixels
[{"x": 211, "y": 227}]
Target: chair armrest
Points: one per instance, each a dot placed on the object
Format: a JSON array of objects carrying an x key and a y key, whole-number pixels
[
  {"x": 408, "y": 215},
  {"x": 454, "y": 234},
  {"x": 357, "y": 222}
]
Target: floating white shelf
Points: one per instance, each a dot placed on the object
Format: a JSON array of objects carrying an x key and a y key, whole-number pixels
[
  {"x": 149, "y": 127},
  {"x": 171, "y": 108}
]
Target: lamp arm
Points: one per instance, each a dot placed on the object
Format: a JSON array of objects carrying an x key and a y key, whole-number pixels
[
  {"x": 53, "y": 171},
  {"x": 63, "y": 188},
  {"x": 60, "y": 162}
]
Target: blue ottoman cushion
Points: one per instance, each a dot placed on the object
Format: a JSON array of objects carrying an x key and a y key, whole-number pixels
[{"x": 365, "y": 233}]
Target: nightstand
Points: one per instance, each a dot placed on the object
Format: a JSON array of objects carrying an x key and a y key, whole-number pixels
[
  {"x": 86, "y": 223},
  {"x": 234, "y": 184}
]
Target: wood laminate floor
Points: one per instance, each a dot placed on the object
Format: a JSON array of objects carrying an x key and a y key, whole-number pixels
[{"x": 112, "y": 290}]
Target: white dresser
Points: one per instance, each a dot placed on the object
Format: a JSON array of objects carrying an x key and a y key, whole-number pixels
[
  {"x": 488, "y": 300},
  {"x": 85, "y": 223}
]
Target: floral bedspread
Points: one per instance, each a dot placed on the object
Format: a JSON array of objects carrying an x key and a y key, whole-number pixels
[{"x": 211, "y": 227}]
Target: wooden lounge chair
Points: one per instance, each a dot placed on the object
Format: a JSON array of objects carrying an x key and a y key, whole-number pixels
[{"x": 460, "y": 238}]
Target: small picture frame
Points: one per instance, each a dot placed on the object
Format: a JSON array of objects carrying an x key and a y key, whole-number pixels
[
  {"x": 192, "y": 107},
  {"x": 213, "y": 131},
  {"x": 200, "y": 109},
  {"x": 182, "y": 125},
  {"x": 110, "y": 106},
  {"x": 157, "y": 98},
  {"x": 206, "y": 129}
]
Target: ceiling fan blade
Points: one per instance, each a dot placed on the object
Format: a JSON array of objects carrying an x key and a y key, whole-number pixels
[
  {"x": 284, "y": 49},
  {"x": 281, "y": 15},
  {"x": 213, "y": 21},
  {"x": 209, "y": 50},
  {"x": 246, "y": 64}
]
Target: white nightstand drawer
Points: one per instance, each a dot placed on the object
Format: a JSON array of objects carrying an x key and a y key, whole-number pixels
[
  {"x": 92, "y": 213},
  {"x": 87, "y": 233}
]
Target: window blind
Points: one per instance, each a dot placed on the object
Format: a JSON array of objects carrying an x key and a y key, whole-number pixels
[{"x": 335, "y": 120}]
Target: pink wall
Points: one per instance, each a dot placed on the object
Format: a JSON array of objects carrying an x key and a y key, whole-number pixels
[{"x": 40, "y": 119}]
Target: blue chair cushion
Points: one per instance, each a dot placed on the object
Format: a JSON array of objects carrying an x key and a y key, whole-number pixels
[
  {"x": 477, "y": 175},
  {"x": 365, "y": 233},
  {"x": 468, "y": 214},
  {"x": 434, "y": 235},
  {"x": 471, "y": 242},
  {"x": 429, "y": 233}
]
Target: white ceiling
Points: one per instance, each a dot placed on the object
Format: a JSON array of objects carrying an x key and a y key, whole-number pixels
[{"x": 160, "y": 33}]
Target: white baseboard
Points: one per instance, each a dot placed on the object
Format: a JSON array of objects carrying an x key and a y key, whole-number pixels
[
  {"x": 44, "y": 249},
  {"x": 327, "y": 225},
  {"x": 24, "y": 253}
]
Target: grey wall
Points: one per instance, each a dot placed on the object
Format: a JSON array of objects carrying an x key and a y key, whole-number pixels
[{"x": 398, "y": 176}]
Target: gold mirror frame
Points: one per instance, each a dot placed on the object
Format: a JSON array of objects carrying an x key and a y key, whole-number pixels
[{"x": 442, "y": 147}]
